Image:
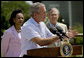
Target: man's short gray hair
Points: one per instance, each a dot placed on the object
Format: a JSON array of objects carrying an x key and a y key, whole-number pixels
[
  {"x": 53, "y": 9},
  {"x": 35, "y": 7}
]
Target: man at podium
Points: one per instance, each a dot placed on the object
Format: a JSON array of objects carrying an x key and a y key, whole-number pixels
[{"x": 34, "y": 32}]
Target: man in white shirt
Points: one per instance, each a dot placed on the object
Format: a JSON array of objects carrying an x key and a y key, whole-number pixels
[{"x": 34, "y": 32}]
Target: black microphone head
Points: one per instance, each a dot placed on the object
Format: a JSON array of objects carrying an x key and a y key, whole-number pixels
[
  {"x": 53, "y": 30},
  {"x": 60, "y": 36},
  {"x": 61, "y": 31}
]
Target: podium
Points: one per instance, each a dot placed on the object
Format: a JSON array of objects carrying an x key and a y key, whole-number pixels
[{"x": 53, "y": 51}]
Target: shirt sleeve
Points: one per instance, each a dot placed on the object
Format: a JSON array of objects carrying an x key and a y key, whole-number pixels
[
  {"x": 5, "y": 43},
  {"x": 29, "y": 33}
]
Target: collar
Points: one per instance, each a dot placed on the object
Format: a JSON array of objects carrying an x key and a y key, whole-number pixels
[
  {"x": 13, "y": 28},
  {"x": 34, "y": 22},
  {"x": 51, "y": 25},
  {"x": 14, "y": 31}
]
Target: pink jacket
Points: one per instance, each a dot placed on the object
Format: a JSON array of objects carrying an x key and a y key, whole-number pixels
[{"x": 11, "y": 43}]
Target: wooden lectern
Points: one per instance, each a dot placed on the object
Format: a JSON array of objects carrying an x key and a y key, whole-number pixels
[{"x": 53, "y": 52}]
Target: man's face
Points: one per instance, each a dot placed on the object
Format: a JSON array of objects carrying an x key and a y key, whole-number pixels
[
  {"x": 53, "y": 16},
  {"x": 42, "y": 13}
]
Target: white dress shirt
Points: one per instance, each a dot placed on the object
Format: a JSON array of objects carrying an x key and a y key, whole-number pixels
[{"x": 31, "y": 29}]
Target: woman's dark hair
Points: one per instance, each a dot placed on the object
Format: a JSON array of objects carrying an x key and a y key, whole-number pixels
[{"x": 13, "y": 15}]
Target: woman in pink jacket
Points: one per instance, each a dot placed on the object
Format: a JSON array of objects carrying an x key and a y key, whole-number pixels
[{"x": 11, "y": 40}]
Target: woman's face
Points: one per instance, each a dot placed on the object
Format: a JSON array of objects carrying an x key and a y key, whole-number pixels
[{"x": 18, "y": 20}]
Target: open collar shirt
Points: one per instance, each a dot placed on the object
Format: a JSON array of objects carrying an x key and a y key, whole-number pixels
[
  {"x": 31, "y": 29},
  {"x": 52, "y": 26}
]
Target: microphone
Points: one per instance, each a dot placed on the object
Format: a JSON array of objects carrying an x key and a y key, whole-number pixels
[
  {"x": 55, "y": 31},
  {"x": 58, "y": 34},
  {"x": 61, "y": 31}
]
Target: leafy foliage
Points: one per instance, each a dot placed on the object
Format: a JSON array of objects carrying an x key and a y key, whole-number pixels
[{"x": 78, "y": 27}]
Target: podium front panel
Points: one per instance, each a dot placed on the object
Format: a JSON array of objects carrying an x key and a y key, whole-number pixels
[{"x": 53, "y": 51}]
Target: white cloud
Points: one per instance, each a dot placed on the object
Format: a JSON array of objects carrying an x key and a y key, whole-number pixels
[{"x": 30, "y": 2}]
